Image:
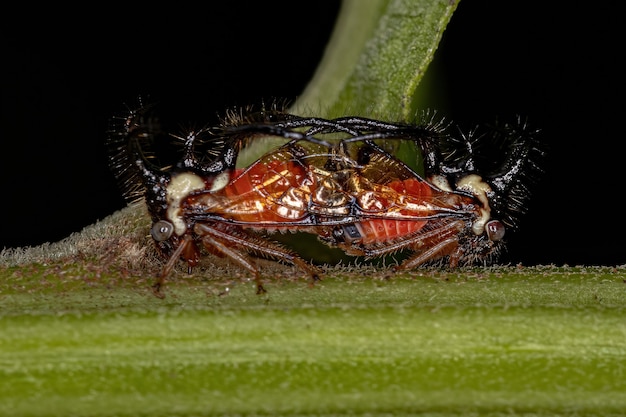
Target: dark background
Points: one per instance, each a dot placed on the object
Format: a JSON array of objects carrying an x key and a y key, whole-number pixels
[{"x": 65, "y": 72}]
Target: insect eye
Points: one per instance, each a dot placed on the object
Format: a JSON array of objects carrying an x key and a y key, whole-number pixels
[
  {"x": 162, "y": 230},
  {"x": 495, "y": 230}
]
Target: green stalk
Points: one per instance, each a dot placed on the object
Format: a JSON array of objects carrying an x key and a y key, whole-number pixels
[
  {"x": 373, "y": 64},
  {"x": 376, "y": 58}
]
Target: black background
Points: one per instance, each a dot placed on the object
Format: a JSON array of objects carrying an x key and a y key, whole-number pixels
[{"x": 66, "y": 72}]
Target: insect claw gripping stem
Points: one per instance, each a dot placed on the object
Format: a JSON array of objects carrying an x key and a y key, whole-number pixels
[
  {"x": 260, "y": 289},
  {"x": 333, "y": 179},
  {"x": 169, "y": 266},
  {"x": 156, "y": 290}
]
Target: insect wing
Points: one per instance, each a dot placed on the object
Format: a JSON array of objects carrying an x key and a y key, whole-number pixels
[
  {"x": 385, "y": 188},
  {"x": 273, "y": 191},
  {"x": 393, "y": 202}
]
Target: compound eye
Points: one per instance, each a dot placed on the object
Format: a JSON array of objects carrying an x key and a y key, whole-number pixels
[
  {"x": 162, "y": 230},
  {"x": 495, "y": 230}
]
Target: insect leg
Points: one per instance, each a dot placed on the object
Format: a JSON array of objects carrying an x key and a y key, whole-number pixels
[
  {"x": 156, "y": 288},
  {"x": 251, "y": 244},
  {"x": 437, "y": 242},
  {"x": 442, "y": 241},
  {"x": 238, "y": 257},
  {"x": 432, "y": 252}
]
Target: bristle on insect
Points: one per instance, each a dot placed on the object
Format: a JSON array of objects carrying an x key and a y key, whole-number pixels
[{"x": 120, "y": 147}]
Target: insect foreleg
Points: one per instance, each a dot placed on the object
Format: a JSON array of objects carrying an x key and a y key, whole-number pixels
[{"x": 156, "y": 288}]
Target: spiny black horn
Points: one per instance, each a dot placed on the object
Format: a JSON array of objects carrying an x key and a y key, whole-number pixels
[
  {"x": 512, "y": 181},
  {"x": 130, "y": 140}
]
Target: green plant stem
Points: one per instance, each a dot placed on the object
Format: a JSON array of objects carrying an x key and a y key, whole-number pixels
[
  {"x": 376, "y": 58},
  {"x": 503, "y": 341}
]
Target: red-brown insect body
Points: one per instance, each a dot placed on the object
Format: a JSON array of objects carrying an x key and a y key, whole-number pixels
[
  {"x": 407, "y": 193},
  {"x": 404, "y": 214},
  {"x": 265, "y": 193},
  {"x": 325, "y": 193}
]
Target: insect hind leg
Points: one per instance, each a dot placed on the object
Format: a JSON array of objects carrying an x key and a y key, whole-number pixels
[
  {"x": 234, "y": 241},
  {"x": 238, "y": 257}
]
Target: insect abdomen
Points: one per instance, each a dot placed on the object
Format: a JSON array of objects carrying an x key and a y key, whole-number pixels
[
  {"x": 407, "y": 192},
  {"x": 379, "y": 231}
]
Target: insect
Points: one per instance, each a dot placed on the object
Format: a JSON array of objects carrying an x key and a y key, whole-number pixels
[
  {"x": 333, "y": 179},
  {"x": 207, "y": 165}
]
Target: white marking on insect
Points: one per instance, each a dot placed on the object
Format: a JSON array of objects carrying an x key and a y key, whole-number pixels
[
  {"x": 179, "y": 188},
  {"x": 440, "y": 182},
  {"x": 220, "y": 181},
  {"x": 474, "y": 184}
]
